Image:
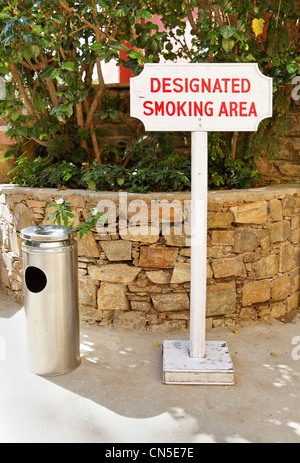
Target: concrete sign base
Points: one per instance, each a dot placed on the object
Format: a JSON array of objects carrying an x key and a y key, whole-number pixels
[{"x": 216, "y": 368}]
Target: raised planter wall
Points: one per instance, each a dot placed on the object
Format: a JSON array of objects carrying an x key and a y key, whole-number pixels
[{"x": 142, "y": 281}]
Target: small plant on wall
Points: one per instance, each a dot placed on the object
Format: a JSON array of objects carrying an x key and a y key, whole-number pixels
[{"x": 62, "y": 215}]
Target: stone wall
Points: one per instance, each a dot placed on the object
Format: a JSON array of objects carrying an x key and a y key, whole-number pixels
[
  {"x": 284, "y": 166},
  {"x": 142, "y": 281}
]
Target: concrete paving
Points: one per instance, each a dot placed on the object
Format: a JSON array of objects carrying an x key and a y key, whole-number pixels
[{"x": 117, "y": 394}]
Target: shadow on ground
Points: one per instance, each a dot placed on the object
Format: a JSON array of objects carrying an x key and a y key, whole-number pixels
[{"x": 117, "y": 395}]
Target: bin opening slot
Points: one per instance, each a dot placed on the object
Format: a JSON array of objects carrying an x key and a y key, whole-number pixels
[{"x": 35, "y": 279}]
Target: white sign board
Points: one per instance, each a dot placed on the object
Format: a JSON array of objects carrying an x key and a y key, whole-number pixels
[{"x": 201, "y": 97}]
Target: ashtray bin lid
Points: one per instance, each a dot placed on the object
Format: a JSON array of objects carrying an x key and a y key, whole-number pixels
[{"x": 48, "y": 233}]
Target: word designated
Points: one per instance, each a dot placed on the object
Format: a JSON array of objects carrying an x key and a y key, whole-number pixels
[{"x": 197, "y": 85}]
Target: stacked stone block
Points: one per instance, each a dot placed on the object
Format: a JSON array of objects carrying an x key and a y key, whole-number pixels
[{"x": 143, "y": 281}]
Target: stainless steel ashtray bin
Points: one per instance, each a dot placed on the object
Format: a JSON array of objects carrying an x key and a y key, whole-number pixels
[{"x": 50, "y": 261}]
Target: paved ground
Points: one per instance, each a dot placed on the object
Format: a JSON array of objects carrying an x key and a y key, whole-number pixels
[{"x": 117, "y": 395}]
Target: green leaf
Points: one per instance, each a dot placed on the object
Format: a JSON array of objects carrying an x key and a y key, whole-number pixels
[
  {"x": 249, "y": 57},
  {"x": 37, "y": 28},
  {"x": 227, "y": 31},
  {"x": 146, "y": 14},
  {"x": 68, "y": 110},
  {"x": 68, "y": 65},
  {"x": 240, "y": 36},
  {"x": 92, "y": 185},
  {"x": 58, "y": 18},
  {"x": 135, "y": 54},
  {"x": 114, "y": 114},
  {"x": 276, "y": 62},
  {"x": 96, "y": 46},
  {"x": 4, "y": 69},
  {"x": 10, "y": 133},
  {"x": 55, "y": 74},
  {"x": 24, "y": 131},
  {"x": 17, "y": 55},
  {"x": 119, "y": 46},
  {"x": 44, "y": 42},
  {"x": 26, "y": 37},
  {"x": 228, "y": 45},
  {"x": 121, "y": 12},
  {"x": 292, "y": 67},
  {"x": 121, "y": 181},
  {"x": 46, "y": 73},
  {"x": 103, "y": 114},
  {"x": 14, "y": 115},
  {"x": 34, "y": 50}
]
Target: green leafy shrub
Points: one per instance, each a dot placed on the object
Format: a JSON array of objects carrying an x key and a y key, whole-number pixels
[
  {"x": 37, "y": 173},
  {"x": 51, "y": 50},
  {"x": 151, "y": 168},
  {"x": 223, "y": 172}
]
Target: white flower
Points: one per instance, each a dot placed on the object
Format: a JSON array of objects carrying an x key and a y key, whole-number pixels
[
  {"x": 60, "y": 201},
  {"x": 94, "y": 212}
]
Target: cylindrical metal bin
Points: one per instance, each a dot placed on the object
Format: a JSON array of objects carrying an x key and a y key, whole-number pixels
[{"x": 50, "y": 261}]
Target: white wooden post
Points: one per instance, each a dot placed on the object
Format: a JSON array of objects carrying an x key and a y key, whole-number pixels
[
  {"x": 198, "y": 243},
  {"x": 198, "y": 361}
]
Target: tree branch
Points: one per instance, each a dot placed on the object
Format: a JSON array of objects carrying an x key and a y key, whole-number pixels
[
  {"x": 93, "y": 107},
  {"x": 80, "y": 124},
  {"x": 39, "y": 142},
  {"x": 189, "y": 12},
  {"x": 13, "y": 69},
  {"x": 52, "y": 92},
  {"x": 79, "y": 115},
  {"x": 93, "y": 135},
  {"x": 95, "y": 144},
  {"x": 234, "y": 145}
]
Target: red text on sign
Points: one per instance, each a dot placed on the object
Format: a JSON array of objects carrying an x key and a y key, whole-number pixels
[
  {"x": 199, "y": 85},
  {"x": 178, "y": 108},
  {"x": 199, "y": 109},
  {"x": 234, "y": 109}
]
